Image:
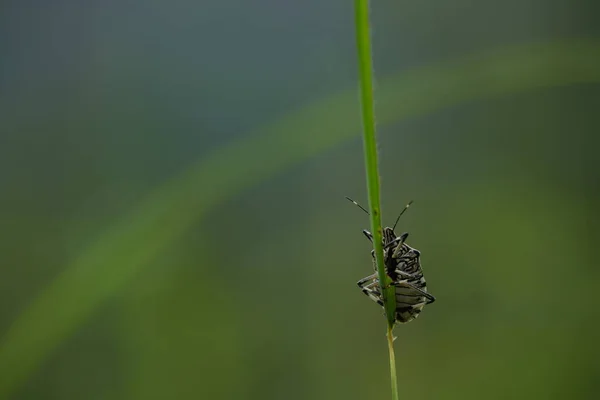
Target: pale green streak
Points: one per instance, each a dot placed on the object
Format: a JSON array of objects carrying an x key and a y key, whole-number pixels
[{"x": 168, "y": 212}]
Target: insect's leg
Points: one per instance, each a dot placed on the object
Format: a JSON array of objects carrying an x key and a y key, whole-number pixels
[
  {"x": 400, "y": 240},
  {"x": 373, "y": 293},
  {"x": 429, "y": 297},
  {"x": 370, "y": 287},
  {"x": 365, "y": 280},
  {"x": 407, "y": 275},
  {"x": 410, "y": 254}
]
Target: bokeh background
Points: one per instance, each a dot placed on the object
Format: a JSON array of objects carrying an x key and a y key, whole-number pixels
[{"x": 172, "y": 199}]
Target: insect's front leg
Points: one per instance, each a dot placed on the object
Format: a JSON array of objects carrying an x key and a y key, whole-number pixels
[{"x": 400, "y": 241}]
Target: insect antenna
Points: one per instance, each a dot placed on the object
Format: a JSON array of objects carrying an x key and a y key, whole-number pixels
[
  {"x": 359, "y": 206},
  {"x": 398, "y": 219}
]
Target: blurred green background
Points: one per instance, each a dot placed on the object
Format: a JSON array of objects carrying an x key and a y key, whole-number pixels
[{"x": 173, "y": 216}]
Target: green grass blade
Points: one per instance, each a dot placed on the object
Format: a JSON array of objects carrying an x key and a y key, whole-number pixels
[
  {"x": 363, "y": 44},
  {"x": 365, "y": 66}
]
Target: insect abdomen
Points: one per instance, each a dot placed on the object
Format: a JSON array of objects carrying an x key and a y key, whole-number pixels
[{"x": 409, "y": 303}]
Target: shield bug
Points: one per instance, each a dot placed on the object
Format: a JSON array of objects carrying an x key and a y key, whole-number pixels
[{"x": 403, "y": 266}]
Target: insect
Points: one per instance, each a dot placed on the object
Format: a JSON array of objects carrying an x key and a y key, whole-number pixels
[{"x": 403, "y": 266}]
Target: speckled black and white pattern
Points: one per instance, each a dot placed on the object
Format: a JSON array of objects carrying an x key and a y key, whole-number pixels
[{"x": 403, "y": 266}]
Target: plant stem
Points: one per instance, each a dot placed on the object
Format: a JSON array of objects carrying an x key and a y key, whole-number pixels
[
  {"x": 363, "y": 43},
  {"x": 390, "y": 340}
]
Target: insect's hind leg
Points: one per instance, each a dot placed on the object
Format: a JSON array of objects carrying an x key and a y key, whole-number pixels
[
  {"x": 364, "y": 280},
  {"x": 370, "y": 287},
  {"x": 429, "y": 297}
]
